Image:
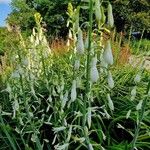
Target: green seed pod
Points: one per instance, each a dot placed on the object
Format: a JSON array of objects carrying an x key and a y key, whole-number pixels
[{"x": 110, "y": 16}]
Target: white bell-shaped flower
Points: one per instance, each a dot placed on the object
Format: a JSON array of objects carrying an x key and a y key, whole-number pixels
[
  {"x": 110, "y": 80},
  {"x": 80, "y": 43},
  {"x": 73, "y": 91},
  {"x": 107, "y": 55},
  {"x": 94, "y": 75}
]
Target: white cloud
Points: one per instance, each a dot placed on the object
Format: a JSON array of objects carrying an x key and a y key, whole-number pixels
[{"x": 5, "y": 1}]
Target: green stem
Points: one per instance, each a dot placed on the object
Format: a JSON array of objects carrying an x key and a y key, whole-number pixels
[
  {"x": 89, "y": 46},
  {"x": 141, "y": 118},
  {"x": 139, "y": 44},
  {"x": 88, "y": 58}
]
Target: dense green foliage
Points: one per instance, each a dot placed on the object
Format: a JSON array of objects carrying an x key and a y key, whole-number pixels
[
  {"x": 127, "y": 13},
  {"x": 135, "y": 13},
  {"x": 82, "y": 99}
]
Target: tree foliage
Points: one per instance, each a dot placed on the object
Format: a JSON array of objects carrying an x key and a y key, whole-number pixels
[
  {"x": 132, "y": 12},
  {"x": 126, "y": 13}
]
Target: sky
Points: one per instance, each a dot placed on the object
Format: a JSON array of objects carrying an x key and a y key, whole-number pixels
[{"x": 4, "y": 11}]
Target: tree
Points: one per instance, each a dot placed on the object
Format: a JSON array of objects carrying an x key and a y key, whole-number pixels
[
  {"x": 126, "y": 13},
  {"x": 132, "y": 12},
  {"x": 53, "y": 13}
]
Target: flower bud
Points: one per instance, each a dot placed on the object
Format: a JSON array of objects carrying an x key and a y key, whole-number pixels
[
  {"x": 110, "y": 16},
  {"x": 89, "y": 117},
  {"x": 110, "y": 102},
  {"x": 107, "y": 55}
]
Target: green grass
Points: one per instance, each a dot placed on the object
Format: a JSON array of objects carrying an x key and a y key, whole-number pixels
[{"x": 140, "y": 47}]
